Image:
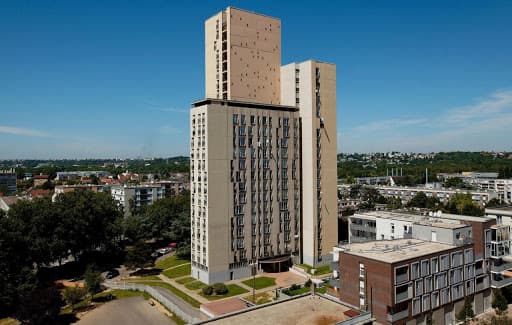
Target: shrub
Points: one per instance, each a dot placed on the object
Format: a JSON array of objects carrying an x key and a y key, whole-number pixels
[
  {"x": 308, "y": 283},
  {"x": 220, "y": 288},
  {"x": 294, "y": 287},
  {"x": 208, "y": 290}
]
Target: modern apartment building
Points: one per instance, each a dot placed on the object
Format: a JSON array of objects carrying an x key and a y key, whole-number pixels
[
  {"x": 245, "y": 174},
  {"x": 415, "y": 281},
  {"x": 407, "y": 193},
  {"x": 311, "y": 86},
  {"x": 61, "y": 189},
  {"x": 135, "y": 196},
  {"x": 262, "y": 134},
  {"x": 8, "y": 179}
]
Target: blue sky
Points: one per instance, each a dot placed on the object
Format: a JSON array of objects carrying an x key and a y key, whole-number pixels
[{"x": 81, "y": 79}]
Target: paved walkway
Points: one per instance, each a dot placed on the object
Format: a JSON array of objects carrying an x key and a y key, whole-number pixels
[
  {"x": 185, "y": 307},
  {"x": 129, "y": 311}
]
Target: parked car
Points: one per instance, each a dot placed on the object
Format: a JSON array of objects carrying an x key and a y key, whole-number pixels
[{"x": 112, "y": 274}]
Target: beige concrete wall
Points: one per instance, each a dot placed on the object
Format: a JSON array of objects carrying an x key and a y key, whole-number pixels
[
  {"x": 213, "y": 47},
  {"x": 222, "y": 147},
  {"x": 253, "y": 56},
  {"x": 328, "y": 152}
]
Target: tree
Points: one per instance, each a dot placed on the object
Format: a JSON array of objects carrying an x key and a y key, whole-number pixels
[
  {"x": 139, "y": 256},
  {"x": 183, "y": 252},
  {"x": 4, "y": 189},
  {"x": 394, "y": 203},
  {"x": 93, "y": 280},
  {"x": 462, "y": 203},
  {"x": 422, "y": 201},
  {"x": 466, "y": 312},
  {"x": 41, "y": 306},
  {"x": 493, "y": 203},
  {"x": 499, "y": 302},
  {"x": 90, "y": 221},
  {"x": 72, "y": 295},
  {"x": 16, "y": 271}
]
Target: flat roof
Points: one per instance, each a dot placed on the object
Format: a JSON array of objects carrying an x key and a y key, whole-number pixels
[
  {"x": 444, "y": 225},
  {"x": 392, "y": 251},
  {"x": 241, "y": 104},
  {"x": 418, "y": 218},
  {"x": 304, "y": 311}
]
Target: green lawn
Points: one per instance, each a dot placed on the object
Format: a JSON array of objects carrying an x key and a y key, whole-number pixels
[
  {"x": 320, "y": 270},
  {"x": 260, "y": 282},
  {"x": 177, "y": 271},
  {"x": 170, "y": 262},
  {"x": 297, "y": 291},
  {"x": 195, "y": 285},
  {"x": 188, "y": 299},
  {"x": 322, "y": 290},
  {"x": 185, "y": 280},
  {"x": 233, "y": 290}
]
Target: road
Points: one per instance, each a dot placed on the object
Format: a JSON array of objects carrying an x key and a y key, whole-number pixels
[{"x": 130, "y": 311}]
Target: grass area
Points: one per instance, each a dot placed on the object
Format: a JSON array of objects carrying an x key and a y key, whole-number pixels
[
  {"x": 186, "y": 280},
  {"x": 195, "y": 285},
  {"x": 261, "y": 298},
  {"x": 188, "y": 299},
  {"x": 233, "y": 290},
  {"x": 296, "y": 291},
  {"x": 260, "y": 282},
  {"x": 320, "y": 270},
  {"x": 177, "y": 271},
  {"x": 322, "y": 290},
  {"x": 121, "y": 294},
  {"x": 170, "y": 261}
]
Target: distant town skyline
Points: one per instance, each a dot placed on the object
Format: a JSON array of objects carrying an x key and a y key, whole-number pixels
[{"x": 104, "y": 80}]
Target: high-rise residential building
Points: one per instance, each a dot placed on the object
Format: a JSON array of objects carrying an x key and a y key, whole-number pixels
[
  {"x": 311, "y": 86},
  {"x": 243, "y": 56},
  {"x": 255, "y": 145},
  {"x": 245, "y": 174}
]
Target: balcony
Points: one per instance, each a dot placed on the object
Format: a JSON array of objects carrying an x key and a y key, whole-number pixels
[
  {"x": 398, "y": 316},
  {"x": 402, "y": 296},
  {"x": 501, "y": 267},
  {"x": 500, "y": 282}
]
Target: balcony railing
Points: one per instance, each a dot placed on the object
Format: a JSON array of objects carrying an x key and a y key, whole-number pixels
[
  {"x": 500, "y": 283},
  {"x": 398, "y": 316},
  {"x": 502, "y": 267}
]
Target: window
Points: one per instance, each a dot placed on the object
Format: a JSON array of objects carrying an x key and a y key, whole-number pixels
[
  {"x": 401, "y": 274},
  {"x": 415, "y": 270},
  {"x": 416, "y": 306},
  {"x": 434, "y": 263},
  {"x": 425, "y": 268},
  {"x": 444, "y": 262},
  {"x": 235, "y": 118},
  {"x": 428, "y": 284},
  {"x": 418, "y": 288},
  {"x": 426, "y": 302}
]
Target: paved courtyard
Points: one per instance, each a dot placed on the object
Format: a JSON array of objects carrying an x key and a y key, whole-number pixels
[
  {"x": 130, "y": 311},
  {"x": 308, "y": 310}
]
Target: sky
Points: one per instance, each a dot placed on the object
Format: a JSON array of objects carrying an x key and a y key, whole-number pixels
[{"x": 115, "y": 79}]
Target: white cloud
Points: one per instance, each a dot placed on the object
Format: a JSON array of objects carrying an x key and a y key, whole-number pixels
[
  {"x": 483, "y": 125},
  {"x": 22, "y": 131}
]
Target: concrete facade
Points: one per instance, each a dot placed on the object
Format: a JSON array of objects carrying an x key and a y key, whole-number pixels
[
  {"x": 311, "y": 86},
  {"x": 245, "y": 187},
  {"x": 243, "y": 57},
  {"x": 411, "y": 281}
]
